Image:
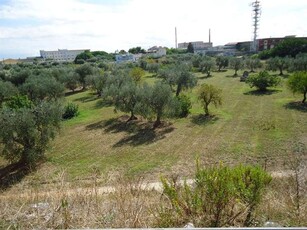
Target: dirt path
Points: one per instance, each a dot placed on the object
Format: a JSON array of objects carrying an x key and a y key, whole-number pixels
[{"x": 145, "y": 186}]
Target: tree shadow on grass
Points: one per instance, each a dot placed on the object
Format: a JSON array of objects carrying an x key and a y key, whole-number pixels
[
  {"x": 262, "y": 93},
  {"x": 102, "y": 103},
  {"x": 138, "y": 131},
  {"x": 283, "y": 76},
  {"x": 12, "y": 174},
  {"x": 87, "y": 98},
  {"x": 205, "y": 77},
  {"x": 69, "y": 93},
  {"x": 299, "y": 106},
  {"x": 144, "y": 136},
  {"x": 203, "y": 119},
  {"x": 221, "y": 71},
  {"x": 233, "y": 76},
  {"x": 116, "y": 125}
]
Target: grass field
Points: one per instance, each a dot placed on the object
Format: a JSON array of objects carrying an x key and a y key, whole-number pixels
[
  {"x": 99, "y": 148},
  {"x": 248, "y": 128}
]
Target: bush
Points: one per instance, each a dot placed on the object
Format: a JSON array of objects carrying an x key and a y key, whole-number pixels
[
  {"x": 220, "y": 196},
  {"x": 262, "y": 81},
  {"x": 184, "y": 106},
  {"x": 71, "y": 110}
]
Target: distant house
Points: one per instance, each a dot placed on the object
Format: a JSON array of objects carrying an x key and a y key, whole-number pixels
[
  {"x": 61, "y": 54},
  {"x": 120, "y": 58},
  {"x": 156, "y": 51}
]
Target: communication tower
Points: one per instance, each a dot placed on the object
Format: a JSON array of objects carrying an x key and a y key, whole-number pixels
[{"x": 256, "y": 11}]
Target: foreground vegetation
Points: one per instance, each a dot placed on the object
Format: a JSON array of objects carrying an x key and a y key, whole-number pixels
[{"x": 111, "y": 142}]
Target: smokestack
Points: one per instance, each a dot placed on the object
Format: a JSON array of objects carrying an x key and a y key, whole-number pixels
[
  {"x": 176, "y": 37},
  {"x": 209, "y": 36}
]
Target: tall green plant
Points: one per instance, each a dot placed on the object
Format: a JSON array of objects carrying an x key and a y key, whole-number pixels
[{"x": 220, "y": 196}]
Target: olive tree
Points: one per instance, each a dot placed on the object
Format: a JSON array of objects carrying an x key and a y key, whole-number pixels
[
  {"x": 25, "y": 132},
  {"x": 71, "y": 81},
  {"x": 18, "y": 77},
  {"x": 124, "y": 93},
  {"x": 83, "y": 71},
  {"x": 157, "y": 100},
  {"x": 221, "y": 62},
  {"x": 236, "y": 64},
  {"x": 299, "y": 63},
  {"x": 97, "y": 82},
  {"x": 137, "y": 73},
  {"x": 179, "y": 76},
  {"x": 278, "y": 63},
  {"x": 297, "y": 83},
  {"x": 208, "y": 94},
  {"x": 206, "y": 65},
  {"x": 252, "y": 64},
  {"x": 7, "y": 90},
  {"x": 42, "y": 87}
]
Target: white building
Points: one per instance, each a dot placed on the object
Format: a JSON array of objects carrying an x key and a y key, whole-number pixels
[{"x": 61, "y": 54}]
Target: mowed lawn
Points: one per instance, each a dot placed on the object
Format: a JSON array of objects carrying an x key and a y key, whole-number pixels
[{"x": 249, "y": 128}]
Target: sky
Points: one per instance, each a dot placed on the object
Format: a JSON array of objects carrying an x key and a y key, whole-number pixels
[{"x": 27, "y": 26}]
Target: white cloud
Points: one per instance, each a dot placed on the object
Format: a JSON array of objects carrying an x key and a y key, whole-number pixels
[{"x": 99, "y": 26}]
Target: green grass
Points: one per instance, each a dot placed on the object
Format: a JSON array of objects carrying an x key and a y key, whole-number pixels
[{"x": 247, "y": 127}]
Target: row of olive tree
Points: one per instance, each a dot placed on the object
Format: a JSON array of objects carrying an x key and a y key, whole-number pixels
[
  {"x": 30, "y": 113},
  {"x": 299, "y": 63},
  {"x": 206, "y": 64},
  {"x": 71, "y": 77},
  {"x": 162, "y": 99},
  {"x": 129, "y": 96}
]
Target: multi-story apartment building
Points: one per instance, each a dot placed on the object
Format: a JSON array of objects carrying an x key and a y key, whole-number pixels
[{"x": 61, "y": 54}]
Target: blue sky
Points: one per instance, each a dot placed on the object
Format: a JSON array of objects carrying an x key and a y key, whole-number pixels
[{"x": 27, "y": 26}]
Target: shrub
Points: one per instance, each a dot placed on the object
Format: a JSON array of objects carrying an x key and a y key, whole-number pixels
[
  {"x": 71, "y": 110},
  {"x": 220, "y": 196},
  {"x": 184, "y": 106},
  {"x": 262, "y": 81}
]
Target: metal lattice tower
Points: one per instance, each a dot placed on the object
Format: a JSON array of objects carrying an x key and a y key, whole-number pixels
[{"x": 256, "y": 17}]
